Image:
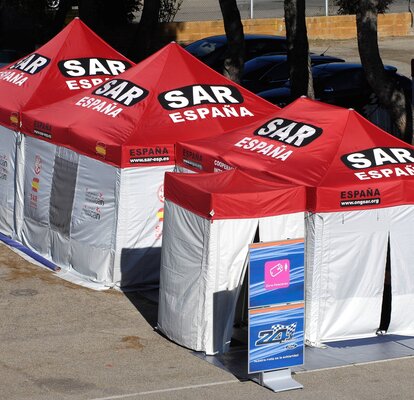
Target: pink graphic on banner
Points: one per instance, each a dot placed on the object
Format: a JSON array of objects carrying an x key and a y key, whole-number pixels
[{"x": 277, "y": 274}]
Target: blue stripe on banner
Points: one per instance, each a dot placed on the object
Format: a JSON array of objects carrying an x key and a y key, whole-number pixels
[{"x": 12, "y": 243}]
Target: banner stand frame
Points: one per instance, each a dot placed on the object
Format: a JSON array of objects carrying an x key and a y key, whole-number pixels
[{"x": 278, "y": 380}]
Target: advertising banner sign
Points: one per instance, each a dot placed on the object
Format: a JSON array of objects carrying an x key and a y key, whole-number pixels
[{"x": 276, "y": 305}]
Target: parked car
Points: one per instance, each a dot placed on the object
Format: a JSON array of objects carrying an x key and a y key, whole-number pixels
[
  {"x": 212, "y": 50},
  {"x": 344, "y": 84},
  {"x": 272, "y": 71}
]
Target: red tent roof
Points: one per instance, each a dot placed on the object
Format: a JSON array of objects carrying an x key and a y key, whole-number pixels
[
  {"x": 347, "y": 162},
  {"x": 232, "y": 194},
  {"x": 74, "y": 60},
  {"x": 136, "y": 118}
]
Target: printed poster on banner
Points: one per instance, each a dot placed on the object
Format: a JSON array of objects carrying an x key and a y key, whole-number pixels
[
  {"x": 276, "y": 305},
  {"x": 276, "y": 337},
  {"x": 276, "y": 273}
]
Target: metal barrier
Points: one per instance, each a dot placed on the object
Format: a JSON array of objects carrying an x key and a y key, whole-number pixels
[{"x": 206, "y": 10}]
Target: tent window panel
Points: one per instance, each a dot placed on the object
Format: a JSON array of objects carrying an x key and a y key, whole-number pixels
[{"x": 62, "y": 195}]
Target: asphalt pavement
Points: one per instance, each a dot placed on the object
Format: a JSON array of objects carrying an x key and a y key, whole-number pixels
[{"x": 59, "y": 341}]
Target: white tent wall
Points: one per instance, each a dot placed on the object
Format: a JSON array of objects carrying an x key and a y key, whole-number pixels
[
  {"x": 346, "y": 260},
  {"x": 402, "y": 270},
  {"x": 203, "y": 264},
  {"x": 39, "y": 163},
  {"x": 93, "y": 221},
  {"x": 282, "y": 227},
  {"x": 8, "y": 157},
  {"x": 70, "y": 210},
  {"x": 99, "y": 223},
  {"x": 140, "y": 226}
]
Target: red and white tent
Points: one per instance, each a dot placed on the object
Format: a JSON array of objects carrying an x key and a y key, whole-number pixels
[
  {"x": 136, "y": 119},
  {"x": 74, "y": 60},
  {"x": 360, "y": 197},
  {"x": 71, "y": 62},
  {"x": 327, "y": 148},
  {"x": 209, "y": 221},
  {"x": 117, "y": 141}
]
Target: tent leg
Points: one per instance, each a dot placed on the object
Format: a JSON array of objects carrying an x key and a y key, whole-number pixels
[{"x": 279, "y": 380}]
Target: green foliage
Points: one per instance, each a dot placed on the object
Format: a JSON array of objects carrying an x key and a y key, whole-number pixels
[{"x": 351, "y": 6}]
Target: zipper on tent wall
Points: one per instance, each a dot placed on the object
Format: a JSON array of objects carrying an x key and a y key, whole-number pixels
[{"x": 387, "y": 295}]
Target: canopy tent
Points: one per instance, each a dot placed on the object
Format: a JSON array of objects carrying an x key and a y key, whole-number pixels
[
  {"x": 99, "y": 210},
  {"x": 74, "y": 60},
  {"x": 210, "y": 220},
  {"x": 360, "y": 197}
]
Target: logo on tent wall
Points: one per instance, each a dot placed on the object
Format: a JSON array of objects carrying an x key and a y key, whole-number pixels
[
  {"x": 158, "y": 227},
  {"x": 378, "y": 157},
  {"x": 278, "y": 334},
  {"x": 94, "y": 197},
  {"x": 361, "y": 197},
  {"x": 145, "y": 155},
  {"x": 30, "y": 65},
  {"x": 287, "y": 131},
  {"x": 220, "y": 166},
  {"x": 35, "y": 184},
  {"x": 82, "y": 69},
  {"x": 37, "y": 165},
  {"x": 15, "y": 119},
  {"x": 192, "y": 159},
  {"x": 42, "y": 129},
  {"x": 161, "y": 193},
  {"x": 100, "y": 149},
  {"x": 225, "y": 102}
]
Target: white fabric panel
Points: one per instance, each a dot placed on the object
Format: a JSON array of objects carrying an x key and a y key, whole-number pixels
[
  {"x": 402, "y": 271},
  {"x": 38, "y": 172},
  {"x": 228, "y": 251},
  {"x": 59, "y": 238},
  {"x": 202, "y": 268},
  {"x": 8, "y": 139},
  {"x": 93, "y": 228},
  {"x": 183, "y": 280},
  {"x": 282, "y": 227},
  {"x": 345, "y": 274},
  {"x": 140, "y": 226},
  {"x": 19, "y": 185}
]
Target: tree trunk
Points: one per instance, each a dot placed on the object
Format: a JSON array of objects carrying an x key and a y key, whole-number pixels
[
  {"x": 298, "y": 49},
  {"x": 233, "y": 64},
  {"x": 60, "y": 17},
  {"x": 145, "y": 40},
  {"x": 384, "y": 86}
]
